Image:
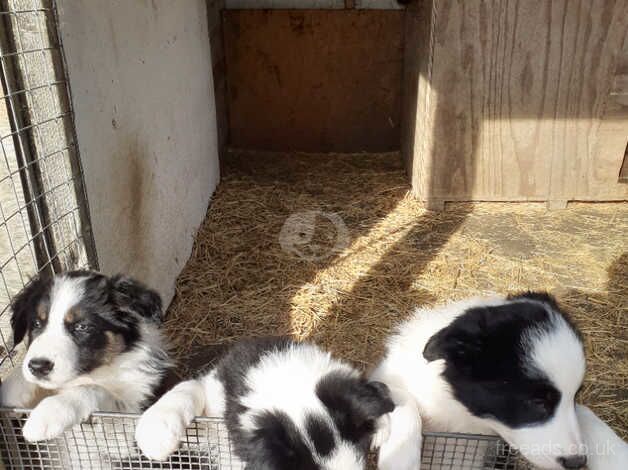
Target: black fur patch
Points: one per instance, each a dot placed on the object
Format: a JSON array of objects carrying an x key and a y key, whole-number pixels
[
  {"x": 354, "y": 404},
  {"x": 276, "y": 444},
  {"x": 131, "y": 296},
  {"x": 538, "y": 296},
  {"x": 485, "y": 357},
  {"x": 551, "y": 301},
  {"x": 320, "y": 434},
  {"x": 25, "y": 304}
]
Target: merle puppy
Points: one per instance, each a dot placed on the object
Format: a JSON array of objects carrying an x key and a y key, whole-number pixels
[
  {"x": 93, "y": 344},
  {"x": 287, "y": 406},
  {"x": 505, "y": 365}
]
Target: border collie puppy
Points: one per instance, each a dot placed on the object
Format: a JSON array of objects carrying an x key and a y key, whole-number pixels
[
  {"x": 93, "y": 344},
  {"x": 287, "y": 406},
  {"x": 508, "y": 366}
]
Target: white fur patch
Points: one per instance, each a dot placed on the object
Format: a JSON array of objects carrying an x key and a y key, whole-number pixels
[
  {"x": 558, "y": 353},
  {"x": 271, "y": 386},
  {"x": 344, "y": 457},
  {"x": 214, "y": 395}
]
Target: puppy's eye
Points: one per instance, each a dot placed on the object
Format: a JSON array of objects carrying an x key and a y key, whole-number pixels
[
  {"x": 545, "y": 401},
  {"x": 540, "y": 402},
  {"x": 81, "y": 327},
  {"x": 37, "y": 324}
]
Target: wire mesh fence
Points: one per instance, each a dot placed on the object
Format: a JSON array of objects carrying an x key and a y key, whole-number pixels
[
  {"x": 107, "y": 442},
  {"x": 43, "y": 209},
  {"x": 461, "y": 451}
]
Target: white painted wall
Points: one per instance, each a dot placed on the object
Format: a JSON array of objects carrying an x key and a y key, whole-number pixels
[{"x": 141, "y": 79}]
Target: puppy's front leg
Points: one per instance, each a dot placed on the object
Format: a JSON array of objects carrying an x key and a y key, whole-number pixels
[
  {"x": 71, "y": 406},
  {"x": 162, "y": 426}
]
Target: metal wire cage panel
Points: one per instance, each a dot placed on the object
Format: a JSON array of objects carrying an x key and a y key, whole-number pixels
[
  {"x": 107, "y": 442},
  {"x": 43, "y": 208},
  {"x": 466, "y": 451}
]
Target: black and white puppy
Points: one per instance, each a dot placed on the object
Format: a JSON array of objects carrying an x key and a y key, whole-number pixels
[
  {"x": 93, "y": 344},
  {"x": 286, "y": 405},
  {"x": 507, "y": 366}
]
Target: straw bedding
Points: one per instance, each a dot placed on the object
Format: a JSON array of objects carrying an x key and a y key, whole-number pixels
[{"x": 345, "y": 284}]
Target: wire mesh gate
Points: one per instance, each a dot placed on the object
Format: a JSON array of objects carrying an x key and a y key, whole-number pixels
[
  {"x": 43, "y": 208},
  {"x": 107, "y": 442}
]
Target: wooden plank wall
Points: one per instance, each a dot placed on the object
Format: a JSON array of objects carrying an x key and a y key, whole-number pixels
[
  {"x": 314, "y": 80},
  {"x": 514, "y": 100}
]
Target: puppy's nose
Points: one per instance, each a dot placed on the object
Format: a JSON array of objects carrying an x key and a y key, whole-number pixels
[
  {"x": 40, "y": 367},
  {"x": 573, "y": 461}
]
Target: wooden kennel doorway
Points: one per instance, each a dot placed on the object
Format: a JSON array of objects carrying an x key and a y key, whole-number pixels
[{"x": 314, "y": 80}]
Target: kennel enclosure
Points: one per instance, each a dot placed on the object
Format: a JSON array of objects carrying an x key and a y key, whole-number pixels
[{"x": 487, "y": 101}]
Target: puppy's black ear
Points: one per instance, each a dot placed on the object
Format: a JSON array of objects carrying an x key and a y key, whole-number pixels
[
  {"x": 131, "y": 296},
  {"x": 461, "y": 339},
  {"x": 354, "y": 404},
  {"x": 276, "y": 444},
  {"x": 373, "y": 400},
  {"x": 438, "y": 345},
  {"x": 24, "y": 305}
]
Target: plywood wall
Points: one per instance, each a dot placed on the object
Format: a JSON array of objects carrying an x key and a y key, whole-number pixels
[
  {"x": 515, "y": 100},
  {"x": 142, "y": 91},
  {"x": 314, "y": 80}
]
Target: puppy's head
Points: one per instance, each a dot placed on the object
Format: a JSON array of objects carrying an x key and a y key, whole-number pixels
[
  {"x": 338, "y": 439},
  {"x": 518, "y": 366},
  {"x": 78, "y": 321}
]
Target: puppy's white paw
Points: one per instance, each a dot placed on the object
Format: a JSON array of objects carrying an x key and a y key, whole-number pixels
[
  {"x": 48, "y": 420},
  {"x": 401, "y": 448},
  {"x": 159, "y": 432},
  {"x": 382, "y": 431}
]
